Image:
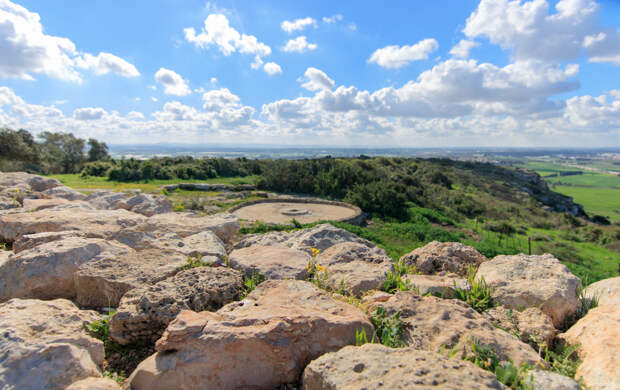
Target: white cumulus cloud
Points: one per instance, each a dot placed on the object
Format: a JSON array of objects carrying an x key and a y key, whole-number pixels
[
  {"x": 462, "y": 49},
  {"x": 172, "y": 82},
  {"x": 332, "y": 19},
  {"x": 394, "y": 57},
  {"x": 89, "y": 113},
  {"x": 299, "y": 45},
  {"x": 315, "y": 79},
  {"x": 298, "y": 24},
  {"x": 271, "y": 68}
]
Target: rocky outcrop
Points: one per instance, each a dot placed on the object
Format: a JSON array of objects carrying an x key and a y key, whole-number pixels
[
  {"x": 102, "y": 282},
  {"x": 435, "y": 324},
  {"x": 438, "y": 285},
  {"x": 64, "y": 192},
  {"x": 224, "y": 226},
  {"x": 547, "y": 380},
  {"x": 47, "y": 271},
  {"x": 374, "y": 366},
  {"x": 272, "y": 262},
  {"x": 43, "y": 345},
  {"x": 94, "y": 384},
  {"x": 205, "y": 244},
  {"x": 522, "y": 281},
  {"x": 92, "y": 223},
  {"x": 444, "y": 257},
  {"x": 149, "y": 205},
  {"x": 530, "y": 325},
  {"x": 606, "y": 291},
  {"x": 318, "y": 237},
  {"x": 30, "y": 205},
  {"x": 145, "y": 312},
  {"x": 30, "y": 241},
  {"x": 27, "y": 181},
  {"x": 598, "y": 337},
  {"x": 358, "y": 267},
  {"x": 261, "y": 342}
]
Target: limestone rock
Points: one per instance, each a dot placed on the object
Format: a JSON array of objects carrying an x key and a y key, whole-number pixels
[
  {"x": 440, "y": 257},
  {"x": 40, "y": 204},
  {"x": 224, "y": 226},
  {"x": 272, "y": 262},
  {"x": 145, "y": 312},
  {"x": 439, "y": 285},
  {"x": 108, "y": 200},
  {"x": 530, "y": 325},
  {"x": 598, "y": 336},
  {"x": 522, "y": 281},
  {"x": 29, "y": 241},
  {"x": 94, "y": 384},
  {"x": 47, "y": 271},
  {"x": 64, "y": 192},
  {"x": 102, "y": 282},
  {"x": 261, "y": 342},
  {"x": 26, "y": 180},
  {"x": 606, "y": 291},
  {"x": 93, "y": 223},
  {"x": 43, "y": 344},
  {"x": 205, "y": 244},
  {"x": 8, "y": 203},
  {"x": 149, "y": 205},
  {"x": 318, "y": 237},
  {"x": 435, "y": 324},
  {"x": 374, "y": 366},
  {"x": 547, "y": 380},
  {"x": 360, "y": 267}
]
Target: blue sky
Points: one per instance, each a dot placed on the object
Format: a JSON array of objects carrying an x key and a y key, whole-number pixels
[{"x": 528, "y": 73}]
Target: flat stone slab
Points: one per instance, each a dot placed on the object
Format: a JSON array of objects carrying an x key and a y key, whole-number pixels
[
  {"x": 272, "y": 262},
  {"x": 284, "y": 212}
]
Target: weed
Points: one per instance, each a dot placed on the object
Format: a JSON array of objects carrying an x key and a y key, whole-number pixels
[
  {"x": 361, "y": 338},
  {"x": 118, "y": 377},
  {"x": 101, "y": 329},
  {"x": 252, "y": 282},
  {"x": 178, "y": 207},
  {"x": 389, "y": 329},
  {"x": 563, "y": 360},
  {"x": 296, "y": 224},
  {"x": 586, "y": 303},
  {"x": 394, "y": 280},
  {"x": 342, "y": 289},
  {"x": 477, "y": 294},
  {"x": 194, "y": 262}
]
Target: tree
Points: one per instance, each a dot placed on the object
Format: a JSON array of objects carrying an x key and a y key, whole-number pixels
[
  {"x": 63, "y": 152},
  {"x": 97, "y": 150}
]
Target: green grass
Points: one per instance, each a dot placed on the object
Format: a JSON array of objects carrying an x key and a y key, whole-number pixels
[
  {"x": 601, "y": 201},
  {"x": 91, "y": 182}
]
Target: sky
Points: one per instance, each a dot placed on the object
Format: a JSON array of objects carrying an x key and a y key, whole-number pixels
[{"x": 441, "y": 73}]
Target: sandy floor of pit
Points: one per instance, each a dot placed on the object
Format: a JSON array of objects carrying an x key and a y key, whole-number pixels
[{"x": 272, "y": 212}]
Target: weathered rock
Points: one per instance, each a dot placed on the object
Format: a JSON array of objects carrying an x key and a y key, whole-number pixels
[
  {"x": 94, "y": 384},
  {"x": 26, "y": 180},
  {"x": 440, "y": 257},
  {"x": 261, "y": 342},
  {"x": 47, "y": 271},
  {"x": 606, "y": 291},
  {"x": 64, "y": 192},
  {"x": 272, "y": 262},
  {"x": 108, "y": 200},
  {"x": 374, "y": 366},
  {"x": 149, "y": 205},
  {"x": 438, "y": 285},
  {"x": 29, "y": 241},
  {"x": 205, "y": 244},
  {"x": 357, "y": 266},
  {"x": 318, "y": 237},
  {"x": 43, "y": 344},
  {"x": 598, "y": 337},
  {"x": 522, "y": 281},
  {"x": 435, "y": 324},
  {"x": 102, "y": 282},
  {"x": 530, "y": 325},
  {"x": 547, "y": 380},
  {"x": 93, "y": 223},
  {"x": 40, "y": 204},
  {"x": 224, "y": 226},
  {"x": 7, "y": 203},
  {"x": 145, "y": 312}
]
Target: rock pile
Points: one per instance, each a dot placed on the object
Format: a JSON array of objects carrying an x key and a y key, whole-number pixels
[{"x": 69, "y": 252}]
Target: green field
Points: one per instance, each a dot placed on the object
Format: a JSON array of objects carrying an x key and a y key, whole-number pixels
[{"x": 91, "y": 183}]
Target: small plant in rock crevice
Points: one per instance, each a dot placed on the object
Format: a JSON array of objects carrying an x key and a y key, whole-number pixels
[
  {"x": 194, "y": 262},
  {"x": 388, "y": 328},
  {"x": 394, "y": 280},
  {"x": 477, "y": 294},
  {"x": 250, "y": 284},
  {"x": 361, "y": 338},
  {"x": 586, "y": 303}
]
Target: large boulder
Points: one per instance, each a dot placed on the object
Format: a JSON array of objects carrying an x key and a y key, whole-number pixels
[
  {"x": 272, "y": 262},
  {"x": 373, "y": 366},
  {"x": 94, "y": 384},
  {"x": 598, "y": 337},
  {"x": 29, "y": 241},
  {"x": 444, "y": 257},
  {"x": 224, "y": 226},
  {"x": 108, "y": 200},
  {"x": 531, "y": 325},
  {"x": 103, "y": 281},
  {"x": 30, "y": 205},
  {"x": 145, "y": 312},
  {"x": 318, "y": 237},
  {"x": 47, "y": 271},
  {"x": 43, "y": 345},
  {"x": 28, "y": 181},
  {"x": 64, "y": 192},
  {"x": 8, "y": 203},
  {"x": 149, "y": 205},
  {"x": 93, "y": 223},
  {"x": 261, "y": 342},
  {"x": 205, "y": 244},
  {"x": 358, "y": 267},
  {"x": 438, "y": 285},
  {"x": 606, "y": 291},
  {"x": 522, "y": 281},
  {"x": 435, "y": 324}
]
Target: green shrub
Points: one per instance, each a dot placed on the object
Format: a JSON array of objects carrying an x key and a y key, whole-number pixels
[
  {"x": 477, "y": 294},
  {"x": 252, "y": 282},
  {"x": 389, "y": 329}
]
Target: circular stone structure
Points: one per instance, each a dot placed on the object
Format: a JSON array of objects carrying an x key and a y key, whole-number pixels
[{"x": 302, "y": 210}]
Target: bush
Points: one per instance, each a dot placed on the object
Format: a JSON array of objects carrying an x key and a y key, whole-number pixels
[
  {"x": 98, "y": 168},
  {"x": 389, "y": 329}
]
